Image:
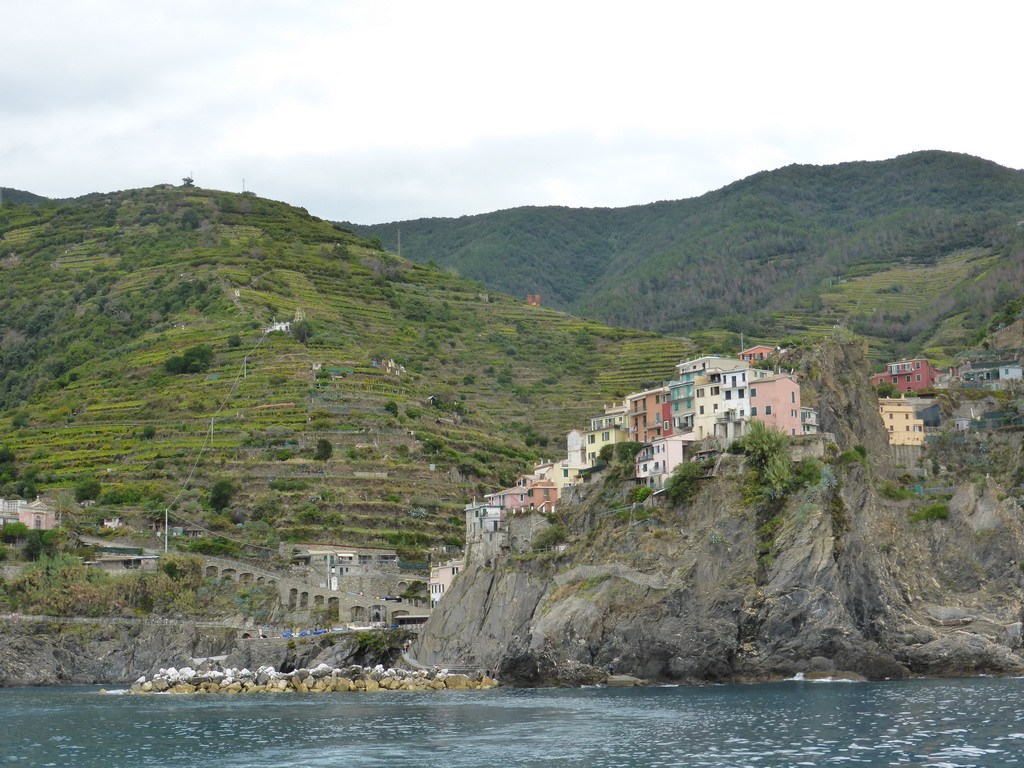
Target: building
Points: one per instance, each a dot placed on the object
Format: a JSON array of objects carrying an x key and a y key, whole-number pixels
[
  {"x": 908, "y": 375},
  {"x": 35, "y": 515},
  {"x": 808, "y": 421},
  {"x": 776, "y": 401},
  {"x": 441, "y": 577},
  {"x": 646, "y": 413},
  {"x": 486, "y": 531},
  {"x": 901, "y": 424},
  {"x": 759, "y": 352},
  {"x": 989, "y": 375},
  {"x": 656, "y": 462}
]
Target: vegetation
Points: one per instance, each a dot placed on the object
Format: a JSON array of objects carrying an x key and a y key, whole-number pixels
[
  {"x": 914, "y": 252},
  {"x": 135, "y": 372}
]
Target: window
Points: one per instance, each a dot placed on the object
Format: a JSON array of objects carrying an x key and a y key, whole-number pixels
[
  {"x": 792, "y": 397},
  {"x": 702, "y": 410},
  {"x": 753, "y": 392},
  {"x": 591, "y": 439},
  {"x": 714, "y": 391},
  {"x": 728, "y": 394},
  {"x": 792, "y": 413},
  {"x": 918, "y": 377},
  {"x": 753, "y": 411},
  {"x": 908, "y": 379},
  {"x": 918, "y": 365},
  {"x": 740, "y": 395},
  {"x": 565, "y": 473},
  {"x": 767, "y": 410},
  {"x": 605, "y": 436}
]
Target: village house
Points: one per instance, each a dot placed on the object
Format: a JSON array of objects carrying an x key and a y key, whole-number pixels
[
  {"x": 486, "y": 532},
  {"x": 656, "y": 461},
  {"x": 901, "y": 424},
  {"x": 441, "y": 577},
  {"x": 989, "y": 374},
  {"x": 648, "y": 415},
  {"x": 758, "y": 352},
  {"x": 908, "y": 375}
]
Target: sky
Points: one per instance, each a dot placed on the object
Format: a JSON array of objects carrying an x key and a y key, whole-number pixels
[{"x": 372, "y": 111}]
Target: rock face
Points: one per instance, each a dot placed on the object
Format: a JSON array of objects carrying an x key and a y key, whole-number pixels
[{"x": 834, "y": 579}]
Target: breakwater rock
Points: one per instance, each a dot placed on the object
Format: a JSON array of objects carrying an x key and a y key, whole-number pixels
[{"x": 321, "y": 679}]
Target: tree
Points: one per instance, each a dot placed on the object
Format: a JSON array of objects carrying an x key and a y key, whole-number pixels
[
  {"x": 324, "y": 449},
  {"x": 11, "y": 532},
  {"x": 87, "y": 489},
  {"x": 221, "y": 493},
  {"x": 303, "y": 331},
  {"x": 193, "y": 360},
  {"x": 886, "y": 389},
  {"x": 391, "y": 407},
  {"x": 682, "y": 486}
]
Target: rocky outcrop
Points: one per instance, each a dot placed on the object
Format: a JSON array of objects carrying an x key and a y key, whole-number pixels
[
  {"x": 44, "y": 652},
  {"x": 832, "y": 580}
]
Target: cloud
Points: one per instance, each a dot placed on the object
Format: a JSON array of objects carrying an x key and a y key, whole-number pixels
[{"x": 374, "y": 111}]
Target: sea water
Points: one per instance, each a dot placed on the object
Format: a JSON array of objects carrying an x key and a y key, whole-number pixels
[{"x": 943, "y": 723}]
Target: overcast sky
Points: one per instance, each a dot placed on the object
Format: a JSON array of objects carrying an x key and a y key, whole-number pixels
[{"x": 381, "y": 110}]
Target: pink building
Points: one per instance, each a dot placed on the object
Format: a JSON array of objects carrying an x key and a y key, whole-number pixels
[
  {"x": 908, "y": 375},
  {"x": 37, "y": 516},
  {"x": 776, "y": 402},
  {"x": 441, "y": 577},
  {"x": 656, "y": 462}
]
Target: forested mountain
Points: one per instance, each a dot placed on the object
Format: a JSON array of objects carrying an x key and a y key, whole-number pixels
[
  {"x": 914, "y": 252},
  {"x": 136, "y": 367}
]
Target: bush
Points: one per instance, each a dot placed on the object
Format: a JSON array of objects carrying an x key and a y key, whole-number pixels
[
  {"x": 936, "y": 511},
  {"x": 193, "y": 360},
  {"x": 682, "y": 486},
  {"x": 549, "y": 537},
  {"x": 324, "y": 449}
]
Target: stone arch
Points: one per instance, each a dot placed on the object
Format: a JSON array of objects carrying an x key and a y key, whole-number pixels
[
  {"x": 318, "y": 600},
  {"x": 358, "y": 613},
  {"x": 245, "y": 578},
  {"x": 332, "y": 607},
  {"x": 260, "y": 580},
  {"x": 293, "y": 595},
  {"x": 377, "y": 613},
  {"x": 303, "y": 599},
  {"x": 396, "y": 614},
  {"x": 228, "y": 574},
  {"x": 211, "y": 571},
  {"x": 402, "y": 586}
]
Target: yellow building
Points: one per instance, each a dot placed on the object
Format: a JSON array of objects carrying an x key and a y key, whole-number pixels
[{"x": 900, "y": 423}]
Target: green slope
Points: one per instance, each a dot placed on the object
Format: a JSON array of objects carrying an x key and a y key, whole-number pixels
[
  {"x": 770, "y": 255},
  {"x": 97, "y": 294}
]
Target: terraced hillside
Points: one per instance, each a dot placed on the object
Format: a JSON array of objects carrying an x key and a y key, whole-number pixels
[{"x": 139, "y": 366}]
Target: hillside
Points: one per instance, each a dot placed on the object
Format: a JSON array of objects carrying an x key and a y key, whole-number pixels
[
  {"x": 913, "y": 252},
  {"x": 136, "y": 369}
]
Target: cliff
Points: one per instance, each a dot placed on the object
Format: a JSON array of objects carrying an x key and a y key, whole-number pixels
[{"x": 831, "y": 578}]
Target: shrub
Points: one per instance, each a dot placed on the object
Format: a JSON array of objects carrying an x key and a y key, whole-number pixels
[
  {"x": 936, "y": 511},
  {"x": 682, "y": 486},
  {"x": 549, "y": 537},
  {"x": 193, "y": 360},
  {"x": 324, "y": 449}
]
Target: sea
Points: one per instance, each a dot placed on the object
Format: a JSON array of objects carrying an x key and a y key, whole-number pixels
[{"x": 948, "y": 723}]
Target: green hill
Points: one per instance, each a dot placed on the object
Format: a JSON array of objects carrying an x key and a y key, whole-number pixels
[
  {"x": 134, "y": 352},
  {"x": 913, "y": 252}
]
